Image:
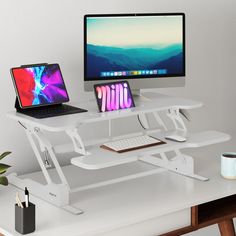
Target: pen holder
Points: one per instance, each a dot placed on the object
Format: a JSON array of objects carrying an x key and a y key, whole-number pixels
[{"x": 25, "y": 218}]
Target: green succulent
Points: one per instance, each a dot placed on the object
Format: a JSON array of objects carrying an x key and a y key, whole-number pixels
[{"x": 3, "y": 169}]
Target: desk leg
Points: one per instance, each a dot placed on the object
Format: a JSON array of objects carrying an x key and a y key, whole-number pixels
[{"x": 227, "y": 227}]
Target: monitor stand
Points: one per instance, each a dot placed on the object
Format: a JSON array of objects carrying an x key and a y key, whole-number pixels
[{"x": 138, "y": 97}]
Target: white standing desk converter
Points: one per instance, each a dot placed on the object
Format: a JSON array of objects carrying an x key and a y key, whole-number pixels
[{"x": 59, "y": 185}]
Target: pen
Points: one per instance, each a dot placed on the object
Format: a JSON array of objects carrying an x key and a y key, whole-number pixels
[
  {"x": 18, "y": 201},
  {"x": 26, "y": 197}
]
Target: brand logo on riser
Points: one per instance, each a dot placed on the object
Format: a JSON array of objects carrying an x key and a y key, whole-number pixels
[{"x": 52, "y": 194}]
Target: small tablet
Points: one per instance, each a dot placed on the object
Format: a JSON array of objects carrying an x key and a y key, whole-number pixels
[{"x": 113, "y": 96}]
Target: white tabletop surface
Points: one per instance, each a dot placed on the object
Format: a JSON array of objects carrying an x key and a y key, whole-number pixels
[
  {"x": 122, "y": 204},
  {"x": 157, "y": 102}
]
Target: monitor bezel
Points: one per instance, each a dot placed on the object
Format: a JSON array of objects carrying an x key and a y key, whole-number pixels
[{"x": 130, "y": 78}]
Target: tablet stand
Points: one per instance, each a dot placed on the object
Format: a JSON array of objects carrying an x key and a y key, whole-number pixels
[{"x": 17, "y": 105}]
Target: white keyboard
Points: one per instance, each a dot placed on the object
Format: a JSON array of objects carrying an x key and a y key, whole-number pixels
[{"x": 133, "y": 143}]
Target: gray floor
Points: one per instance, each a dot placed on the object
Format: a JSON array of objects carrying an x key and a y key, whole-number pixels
[{"x": 211, "y": 230}]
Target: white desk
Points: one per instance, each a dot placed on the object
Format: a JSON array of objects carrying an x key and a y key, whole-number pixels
[{"x": 140, "y": 207}]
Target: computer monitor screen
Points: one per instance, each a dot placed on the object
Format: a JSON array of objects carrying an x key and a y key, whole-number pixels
[
  {"x": 134, "y": 46},
  {"x": 39, "y": 85}
]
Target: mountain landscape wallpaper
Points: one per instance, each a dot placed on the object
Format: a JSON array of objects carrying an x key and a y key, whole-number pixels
[{"x": 134, "y": 43}]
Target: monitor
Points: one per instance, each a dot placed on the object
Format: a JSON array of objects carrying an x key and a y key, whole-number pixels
[{"x": 148, "y": 50}]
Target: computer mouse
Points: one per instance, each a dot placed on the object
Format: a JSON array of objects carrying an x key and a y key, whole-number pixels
[{"x": 175, "y": 137}]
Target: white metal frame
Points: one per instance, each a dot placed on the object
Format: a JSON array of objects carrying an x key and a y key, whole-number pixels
[{"x": 180, "y": 163}]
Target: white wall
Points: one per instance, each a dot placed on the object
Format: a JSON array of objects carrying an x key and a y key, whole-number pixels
[{"x": 52, "y": 31}]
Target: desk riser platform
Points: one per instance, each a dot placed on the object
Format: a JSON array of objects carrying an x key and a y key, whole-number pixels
[{"x": 94, "y": 158}]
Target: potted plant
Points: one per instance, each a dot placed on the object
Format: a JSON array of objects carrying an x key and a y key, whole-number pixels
[{"x": 3, "y": 169}]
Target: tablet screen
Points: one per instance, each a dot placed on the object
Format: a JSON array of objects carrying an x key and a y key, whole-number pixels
[
  {"x": 39, "y": 85},
  {"x": 113, "y": 96}
]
